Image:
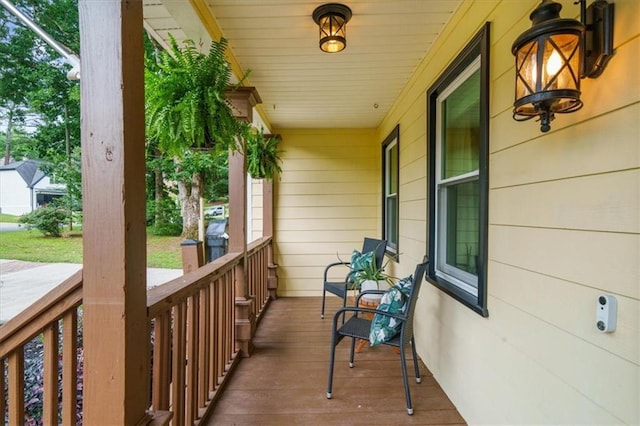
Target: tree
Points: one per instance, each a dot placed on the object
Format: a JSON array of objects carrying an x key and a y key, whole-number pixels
[
  {"x": 55, "y": 99},
  {"x": 188, "y": 115},
  {"x": 16, "y": 76},
  {"x": 33, "y": 78}
]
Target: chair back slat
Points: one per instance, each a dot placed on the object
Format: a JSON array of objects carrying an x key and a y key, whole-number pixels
[{"x": 379, "y": 246}]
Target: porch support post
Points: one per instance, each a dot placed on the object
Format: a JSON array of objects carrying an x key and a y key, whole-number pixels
[
  {"x": 243, "y": 100},
  {"x": 245, "y": 319},
  {"x": 116, "y": 335},
  {"x": 192, "y": 255},
  {"x": 267, "y": 231}
]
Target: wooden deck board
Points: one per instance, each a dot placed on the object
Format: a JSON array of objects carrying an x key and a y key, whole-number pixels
[{"x": 284, "y": 381}]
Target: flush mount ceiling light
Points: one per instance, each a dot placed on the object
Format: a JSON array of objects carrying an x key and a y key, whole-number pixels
[
  {"x": 554, "y": 54},
  {"x": 332, "y": 20}
]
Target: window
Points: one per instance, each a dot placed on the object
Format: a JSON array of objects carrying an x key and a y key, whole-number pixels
[
  {"x": 390, "y": 166},
  {"x": 458, "y": 140}
]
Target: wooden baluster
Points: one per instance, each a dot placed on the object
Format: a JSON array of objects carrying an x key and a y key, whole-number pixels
[
  {"x": 70, "y": 367},
  {"x": 192, "y": 359},
  {"x": 161, "y": 360},
  {"x": 16, "y": 386},
  {"x": 230, "y": 303},
  {"x": 203, "y": 348},
  {"x": 228, "y": 324},
  {"x": 3, "y": 408},
  {"x": 50, "y": 375},
  {"x": 263, "y": 277},
  {"x": 178, "y": 365},
  {"x": 215, "y": 336}
]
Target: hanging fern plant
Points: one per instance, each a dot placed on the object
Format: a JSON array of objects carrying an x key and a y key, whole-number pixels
[
  {"x": 263, "y": 156},
  {"x": 185, "y": 103}
]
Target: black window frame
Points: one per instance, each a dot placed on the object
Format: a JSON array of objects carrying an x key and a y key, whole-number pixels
[
  {"x": 393, "y": 248},
  {"x": 478, "y": 46}
]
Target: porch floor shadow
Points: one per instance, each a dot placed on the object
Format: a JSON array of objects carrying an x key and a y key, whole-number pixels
[{"x": 284, "y": 382}]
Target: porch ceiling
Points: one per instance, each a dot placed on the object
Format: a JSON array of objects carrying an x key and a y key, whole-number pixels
[{"x": 300, "y": 86}]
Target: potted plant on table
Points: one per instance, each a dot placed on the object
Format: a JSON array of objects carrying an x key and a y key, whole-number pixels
[{"x": 370, "y": 276}]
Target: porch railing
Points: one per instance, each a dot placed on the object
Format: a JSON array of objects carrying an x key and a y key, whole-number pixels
[{"x": 192, "y": 323}]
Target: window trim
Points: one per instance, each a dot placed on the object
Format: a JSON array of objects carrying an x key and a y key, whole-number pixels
[
  {"x": 393, "y": 248},
  {"x": 477, "y": 47}
]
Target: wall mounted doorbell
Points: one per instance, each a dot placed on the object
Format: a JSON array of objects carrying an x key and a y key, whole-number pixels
[{"x": 606, "y": 313}]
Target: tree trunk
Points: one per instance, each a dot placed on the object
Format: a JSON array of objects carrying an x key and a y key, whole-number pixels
[
  {"x": 67, "y": 140},
  {"x": 158, "y": 191},
  {"x": 7, "y": 147},
  {"x": 190, "y": 192}
]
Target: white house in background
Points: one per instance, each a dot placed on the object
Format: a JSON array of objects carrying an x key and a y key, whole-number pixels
[{"x": 25, "y": 187}]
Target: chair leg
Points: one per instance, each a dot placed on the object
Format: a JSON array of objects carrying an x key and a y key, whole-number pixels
[
  {"x": 415, "y": 361},
  {"x": 332, "y": 358},
  {"x": 352, "y": 352},
  {"x": 405, "y": 379},
  {"x": 324, "y": 293}
]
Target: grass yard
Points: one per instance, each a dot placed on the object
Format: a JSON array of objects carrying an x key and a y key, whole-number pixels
[
  {"x": 8, "y": 218},
  {"x": 32, "y": 246}
]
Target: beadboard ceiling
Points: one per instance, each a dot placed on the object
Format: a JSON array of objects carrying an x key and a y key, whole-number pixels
[{"x": 300, "y": 86}]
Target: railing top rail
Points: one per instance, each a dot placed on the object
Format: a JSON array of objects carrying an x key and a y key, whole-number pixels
[
  {"x": 162, "y": 298},
  {"x": 50, "y": 307},
  {"x": 257, "y": 245}
]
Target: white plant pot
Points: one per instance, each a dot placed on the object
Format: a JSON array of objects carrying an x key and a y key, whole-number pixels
[{"x": 373, "y": 285}]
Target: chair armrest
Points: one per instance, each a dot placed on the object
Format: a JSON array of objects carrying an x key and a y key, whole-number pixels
[
  {"x": 365, "y": 292},
  {"x": 336, "y": 264},
  {"x": 356, "y": 310}
]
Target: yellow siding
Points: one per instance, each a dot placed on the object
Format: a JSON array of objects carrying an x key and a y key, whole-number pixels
[
  {"x": 564, "y": 227},
  {"x": 327, "y": 201},
  {"x": 255, "y": 186}
]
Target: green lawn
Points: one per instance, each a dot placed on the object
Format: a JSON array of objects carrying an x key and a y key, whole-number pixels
[
  {"x": 32, "y": 246},
  {"x": 9, "y": 218}
]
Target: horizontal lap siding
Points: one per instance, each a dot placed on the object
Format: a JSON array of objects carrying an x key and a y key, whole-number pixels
[
  {"x": 256, "y": 225},
  {"x": 564, "y": 227},
  {"x": 327, "y": 201}
]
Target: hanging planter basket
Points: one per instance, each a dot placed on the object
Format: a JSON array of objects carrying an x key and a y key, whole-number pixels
[{"x": 263, "y": 156}]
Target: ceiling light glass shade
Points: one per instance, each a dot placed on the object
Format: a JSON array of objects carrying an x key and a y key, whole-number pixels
[
  {"x": 548, "y": 66},
  {"x": 332, "y": 21}
]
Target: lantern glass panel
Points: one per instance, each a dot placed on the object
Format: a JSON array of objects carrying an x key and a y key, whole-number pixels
[
  {"x": 332, "y": 33},
  {"x": 560, "y": 62},
  {"x": 526, "y": 66}
]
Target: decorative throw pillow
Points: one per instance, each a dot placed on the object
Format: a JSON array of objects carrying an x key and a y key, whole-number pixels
[
  {"x": 360, "y": 261},
  {"x": 383, "y": 327}
]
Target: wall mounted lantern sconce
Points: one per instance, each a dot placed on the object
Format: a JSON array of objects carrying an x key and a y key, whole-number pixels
[
  {"x": 555, "y": 54},
  {"x": 332, "y": 20}
]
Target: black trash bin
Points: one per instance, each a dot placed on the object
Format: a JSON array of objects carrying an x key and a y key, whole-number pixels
[{"x": 216, "y": 239}]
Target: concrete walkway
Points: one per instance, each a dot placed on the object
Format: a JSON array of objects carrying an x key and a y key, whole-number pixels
[
  {"x": 22, "y": 283},
  {"x": 8, "y": 227}
]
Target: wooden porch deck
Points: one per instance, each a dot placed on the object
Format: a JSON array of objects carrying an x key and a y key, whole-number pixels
[{"x": 284, "y": 381}]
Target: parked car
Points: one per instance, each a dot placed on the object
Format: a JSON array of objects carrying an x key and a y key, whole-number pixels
[{"x": 213, "y": 211}]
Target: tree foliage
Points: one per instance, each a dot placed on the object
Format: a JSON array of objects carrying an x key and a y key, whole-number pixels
[{"x": 33, "y": 77}]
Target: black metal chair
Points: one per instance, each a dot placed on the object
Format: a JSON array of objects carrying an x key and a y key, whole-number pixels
[
  {"x": 358, "y": 327},
  {"x": 341, "y": 288}
]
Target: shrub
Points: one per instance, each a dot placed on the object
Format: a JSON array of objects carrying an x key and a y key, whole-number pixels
[
  {"x": 47, "y": 219},
  {"x": 166, "y": 229}
]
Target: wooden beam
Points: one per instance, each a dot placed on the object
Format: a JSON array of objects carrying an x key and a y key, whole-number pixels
[
  {"x": 243, "y": 99},
  {"x": 116, "y": 335}
]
